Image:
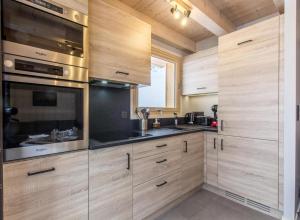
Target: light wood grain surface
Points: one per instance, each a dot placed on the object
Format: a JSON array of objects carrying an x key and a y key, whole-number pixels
[
  {"x": 212, "y": 146},
  {"x": 61, "y": 194},
  {"x": 192, "y": 163},
  {"x": 249, "y": 167},
  {"x": 121, "y": 43},
  {"x": 147, "y": 168},
  {"x": 200, "y": 72},
  {"x": 248, "y": 89},
  {"x": 150, "y": 197},
  {"x": 110, "y": 183}
]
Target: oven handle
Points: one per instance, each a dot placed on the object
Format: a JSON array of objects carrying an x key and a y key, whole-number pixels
[{"x": 44, "y": 81}]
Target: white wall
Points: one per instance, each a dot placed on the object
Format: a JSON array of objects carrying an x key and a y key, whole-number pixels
[
  {"x": 199, "y": 104},
  {"x": 292, "y": 88}
]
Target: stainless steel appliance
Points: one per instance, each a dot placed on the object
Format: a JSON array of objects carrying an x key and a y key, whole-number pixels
[
  {"x": 45, "y": 30},
  {"x": 190, "y": 117},
  {"x": 45, "y": 108}
]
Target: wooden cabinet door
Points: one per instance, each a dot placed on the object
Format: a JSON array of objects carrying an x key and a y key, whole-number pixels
[
  {"x": 54, "y": 187},
  {"x": 120, "y": 45},
  {"x": 192, "y": 166},
  {"x": 110, "y": 183},
  {"x": 249, "y": 167},
  {"x": 200, "y": 73},
  {"x": 211, "y": 148},
  {"x": 248, "y": 89}
]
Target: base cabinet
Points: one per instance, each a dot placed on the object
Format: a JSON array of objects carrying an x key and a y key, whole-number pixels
[
  {"x": 211, "y": 147},
  {"x": 249, "y": 167},
  {"x": 110, "y": 183},
  {"x": 54, "y": 187},
  {"x": 192, "y": 162}
]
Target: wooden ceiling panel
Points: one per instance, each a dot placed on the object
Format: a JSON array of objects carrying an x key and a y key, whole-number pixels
[
  {"x": 241, "y": 12},
  {"x": 160, "y": 11}
]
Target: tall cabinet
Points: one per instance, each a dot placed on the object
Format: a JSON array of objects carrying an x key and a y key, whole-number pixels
[{"x": 249, "y": 111}]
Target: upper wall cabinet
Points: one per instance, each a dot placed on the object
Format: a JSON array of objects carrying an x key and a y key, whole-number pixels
[
  {"x": 120, "y": 45},
  {"x": 78, "y": 5},
  {"x": 200, "y": 74},
  {"x": 248, "y": 81}
]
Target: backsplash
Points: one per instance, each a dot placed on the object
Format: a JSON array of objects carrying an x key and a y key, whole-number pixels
[{"x": 110, "y": 111}]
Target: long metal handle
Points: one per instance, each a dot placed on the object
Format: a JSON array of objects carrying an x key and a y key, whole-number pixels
[
  {"x": 161, "y": 161},
  {"x": 163, "y": 145},
  {"x": 214, "y": 143},
  {"x": 222, "y": 125},
  {"x": 164, "y": 183},
  {"x": 199, "y": 88},
  {"x": 128, "y": 161},
  {"x": 222, "y": 144},
  {"x": 244, "y": 42},
  {"x": 41, "y": 171},
  {"x": 122, "y": 73},
  {"x": 186, "y": 146}
]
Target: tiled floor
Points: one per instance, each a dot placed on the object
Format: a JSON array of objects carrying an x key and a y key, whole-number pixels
[{"x": 205, "y": 205}]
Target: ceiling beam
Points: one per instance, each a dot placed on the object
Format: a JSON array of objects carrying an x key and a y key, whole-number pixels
[
  {"x": 279, "y": 5},
  {"x": 207, "y": 15},
  {"x": 159, "y": 30}
]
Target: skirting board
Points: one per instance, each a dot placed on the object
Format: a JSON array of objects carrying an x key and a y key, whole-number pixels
[{"x": 271, "y": 212}]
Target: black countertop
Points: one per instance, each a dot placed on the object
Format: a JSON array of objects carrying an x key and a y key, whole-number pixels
[{"x": 153, "y": 134}]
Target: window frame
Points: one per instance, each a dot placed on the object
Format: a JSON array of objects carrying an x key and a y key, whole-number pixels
[{"x": 166, "y": 112}]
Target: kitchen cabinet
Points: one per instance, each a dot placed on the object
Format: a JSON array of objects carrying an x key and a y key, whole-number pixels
[
  {"x": 249, "y": 167},
  {"x": 155, "y": 194},
  {"x": 120, "y": 45},
  {"x": 146, "y": 168},
  {"x": 248, "y": 81},
  {"x": 211, "y": 149},
  {"x": 78, "y": 5},
  {"x": 192, "y": 161},
  {"x": 200, "y": 72},
  {"x": 110, "y": 183},
  {"x": 54, "y": 187}
]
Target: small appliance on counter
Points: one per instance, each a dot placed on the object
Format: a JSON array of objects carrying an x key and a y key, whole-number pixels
[{"x": 191, "y": 116}]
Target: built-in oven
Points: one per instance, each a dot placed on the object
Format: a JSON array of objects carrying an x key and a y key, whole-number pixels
[
  {"x": 45, "y": 30},
  {"x": 45, "y": 108}
]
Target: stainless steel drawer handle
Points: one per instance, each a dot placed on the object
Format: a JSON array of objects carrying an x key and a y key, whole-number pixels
[
  {"x": 199, "y": 88},
  {"x": 163, "y": 145},
  {"x": 41, "y": 171},
  {"x": 222, "y": 125},
  {"x": 161, "y": 161},
  {"x": 164, "y": 183},
  {"x": 244, "y": 42},
  {"x": 122, "y": 73}
]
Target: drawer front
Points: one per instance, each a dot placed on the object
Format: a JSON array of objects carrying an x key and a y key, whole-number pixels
[
  {"x": 147, "y": 168},
  {"x": 192, "y": 145},
  {"x": 250, "y": 35},
  {"x": 155, "y": 194},
  {"x": 149, "y": 148},
  {"x": 54, "y": 187}
]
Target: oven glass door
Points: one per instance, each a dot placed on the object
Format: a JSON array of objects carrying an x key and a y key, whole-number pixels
[
  {"x": 32, "y": 27},
  {"x": 37, "y": 115}
]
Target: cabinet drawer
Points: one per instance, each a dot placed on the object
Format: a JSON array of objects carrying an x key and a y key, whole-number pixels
[
  {"x": 149, "y": 148},
  {"x": 54, "y": 187},
  {"x": 150, "y": 167},
  {"x": 155, "y": 194},
  {"x": 250, "y": 35}
]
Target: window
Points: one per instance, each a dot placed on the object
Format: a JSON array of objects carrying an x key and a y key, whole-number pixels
[{"x": 162, "y": 92}]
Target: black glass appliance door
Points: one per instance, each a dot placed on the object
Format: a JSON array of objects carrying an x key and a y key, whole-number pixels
[
  {"x": 41, "y": 114},
  {"x": 32, "y": 27}
]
